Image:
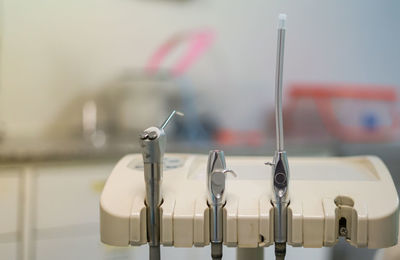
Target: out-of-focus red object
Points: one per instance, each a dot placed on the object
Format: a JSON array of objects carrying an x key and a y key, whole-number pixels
[
  {"x": 324, "y": 95},
  {"x": 229, "y": 137}
]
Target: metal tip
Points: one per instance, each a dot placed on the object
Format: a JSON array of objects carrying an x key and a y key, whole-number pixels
[
  {"x": 179, "y": 113},
  {"x": 170, "y": 117},
  {"x": 282, "y": 21}
]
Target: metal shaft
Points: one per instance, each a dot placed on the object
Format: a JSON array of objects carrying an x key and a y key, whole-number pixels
[
  {"x": 278, "y": 89},
  {"x": 216, "y": 223},
  {"x": 216, "y": 231},
  {"x": 166, "y": 122},
  {"x": 153, "y": 176}
]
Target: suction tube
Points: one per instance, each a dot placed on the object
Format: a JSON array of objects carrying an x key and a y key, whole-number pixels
[{"x": 280, "y": 166}]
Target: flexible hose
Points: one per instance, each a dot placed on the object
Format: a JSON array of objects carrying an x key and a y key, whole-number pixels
[
  {"x": 280, "y": 251},
  {"x": 154, "y": 252},
  {"x": 216, "y": 251}
]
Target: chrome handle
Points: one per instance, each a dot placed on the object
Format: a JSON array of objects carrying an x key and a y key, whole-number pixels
[
  {"x": 216, "y": 175},
  {"x": 217, "y": 186},
  {"x": 216, "y": 181}
]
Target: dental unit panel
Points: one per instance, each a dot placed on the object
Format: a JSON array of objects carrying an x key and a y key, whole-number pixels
[
  {"x": 197, "y": 203},
  {"x": 313, "y": 215}
]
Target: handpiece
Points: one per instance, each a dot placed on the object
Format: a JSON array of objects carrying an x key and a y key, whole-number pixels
[
  {"x": 216, "y": 174},
  {"x": 280, "y": 166},
  {"x": 153, "y": 143}
]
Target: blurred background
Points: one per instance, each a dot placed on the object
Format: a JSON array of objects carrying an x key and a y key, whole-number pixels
[{"x": 80, "y": 79}]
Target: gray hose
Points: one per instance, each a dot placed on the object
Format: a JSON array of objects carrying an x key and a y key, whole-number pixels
[
  {"x": 280, "y": 251},
  {"x": 154, "y": 252},
  {"x": 216, "y": 251}
]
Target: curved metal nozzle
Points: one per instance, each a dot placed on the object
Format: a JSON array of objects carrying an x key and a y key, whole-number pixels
[{"x": 170, "y": 117}]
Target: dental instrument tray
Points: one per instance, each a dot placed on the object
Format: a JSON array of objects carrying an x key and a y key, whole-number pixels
[
  {"x": 195, "y": 202},
  {"x": 353, "y": 197}
]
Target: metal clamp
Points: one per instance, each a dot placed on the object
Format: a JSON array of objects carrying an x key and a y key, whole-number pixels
[{"x": 216, "y": 181}]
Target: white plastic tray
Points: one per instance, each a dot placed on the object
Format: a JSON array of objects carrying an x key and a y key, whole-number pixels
[{"x": 322, "y": 191}]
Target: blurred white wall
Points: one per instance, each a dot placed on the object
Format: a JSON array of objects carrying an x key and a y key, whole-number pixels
[{"x": 53, "y": 51}]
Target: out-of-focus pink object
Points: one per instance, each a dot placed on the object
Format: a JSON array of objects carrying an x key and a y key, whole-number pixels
[
  {"x": 230, "y": 137},
  {"x": 199, "y": 42},
  {"x": 355, "y": 113}
]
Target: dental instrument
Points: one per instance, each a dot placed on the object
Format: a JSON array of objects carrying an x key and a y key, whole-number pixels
[
  {"x": 216, "y": 175},
  {"x": 153, "y": 143},
  {"x": 280, "y": 166}
]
